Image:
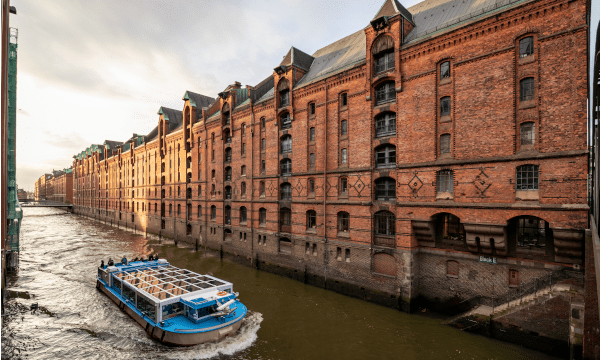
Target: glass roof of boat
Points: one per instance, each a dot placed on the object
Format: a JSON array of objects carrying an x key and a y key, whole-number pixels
[{"x": 166, "y": 282}]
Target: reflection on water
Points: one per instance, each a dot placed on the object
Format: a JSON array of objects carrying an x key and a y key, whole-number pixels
[{"x": 286, "y": 320}]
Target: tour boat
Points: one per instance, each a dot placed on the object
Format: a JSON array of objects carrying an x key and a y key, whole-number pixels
[{"x": 175, "y": 306}]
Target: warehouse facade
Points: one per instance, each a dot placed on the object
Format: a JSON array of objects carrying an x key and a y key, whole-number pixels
[{"x": 438, "y": 154}]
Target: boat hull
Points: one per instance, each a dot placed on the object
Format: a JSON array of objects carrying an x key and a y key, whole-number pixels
[{"x": 169, "y": 337}]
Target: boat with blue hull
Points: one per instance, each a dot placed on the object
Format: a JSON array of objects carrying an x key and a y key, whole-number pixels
[{"x": 175, "y": 306}]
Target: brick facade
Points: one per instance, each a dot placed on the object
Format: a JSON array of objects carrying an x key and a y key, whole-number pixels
[{"x": 404, "y": 224}]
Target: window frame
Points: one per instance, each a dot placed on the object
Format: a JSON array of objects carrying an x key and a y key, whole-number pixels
[
  {"x": 527, "y": 177},
  {"x": 527, "y": 89},
  {"x": 344, "y": 128},
  {"x": 311, "y": 220},
  {"x": 445, "y": 106},
  {"x": 444, "y": 181},
  {"x": 385, "y": 124},
  {"x": 445, "y": 69},
  {"x": 385, "y": 92},
  {"x": 389, "y": 159},
  {"x": 384, "y": 187},
  {"x": 343, "y": 222},
  {"x": 344, "y": 156},
  {"x": 445, "y": 139},
  {"x": 526, "y": 49}
]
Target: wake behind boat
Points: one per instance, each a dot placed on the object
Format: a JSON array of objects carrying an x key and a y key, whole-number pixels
[{"x": 175, "y": 306}]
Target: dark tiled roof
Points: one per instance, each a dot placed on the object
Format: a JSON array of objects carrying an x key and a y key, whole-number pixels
[
  {"x": 198, "y": 100},
  {"x": 262, "y": 88},
  {"x": 336, "y": 57},
  {"x": 431, "y": 16},
  {"x": 112, "y": 144},
  {"x": 152, "y": 134},
  {"x": 298, "y": 58},
  {"x": 174, "y": 116}
]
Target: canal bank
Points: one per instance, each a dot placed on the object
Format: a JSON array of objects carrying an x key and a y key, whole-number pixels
[{"x": 291, "y": 320}]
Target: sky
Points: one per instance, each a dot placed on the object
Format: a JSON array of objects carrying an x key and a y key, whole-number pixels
[{"x": 90, "y": 71}]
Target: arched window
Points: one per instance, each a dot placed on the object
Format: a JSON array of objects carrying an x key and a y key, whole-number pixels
[
  {"x": 531, "y": 232},
  {"x": 344, "y": 128},
  {"x": 226, "y": 115},
  {"x": 383, "y": 54},
  {"x": 528, "y": 133},
  {"x": 228, "y": 192},
  {"x": 286, "y": 191},
  {"x": 285, "y": 217},
  {"x": 228, "y": 173},
  {"x": 343, "y": 222},
  {"x": 213, "y": 212},
  {"x": 445, "y": 70},
  {"x": 445, "y": 181},
  {"x": 262, "y": 216},
  {"x": 385, "y": 156},
  {"x": 243, "y": 214},
  {"x": 527, "y": 89},
  {"x": 528, "y": 177},
  {"x": 286, "y": 167},
  {"x": 385, "y": 124},
  {"x": 228, "y": 154},
  {"x": 311, "y": 219},
  {"x": 262, "y": 188},
  {"x": 286, "y": 144},
  {"x": 385, "y": 189},
  {"x": 385, "y": 93},
  {"x": 243, "y": 129},
  {"x": 448, "y": 227},
  {"x": 263, "y": 122},
  {"x": 445, "y": 106},
  {"x": 385, "y": 223},
  {"x": 526, "y": 46},
  {"x": 283, "y": 88},
  {"x": 243, "y": 188},
  {"x": 286, "y": 120},
  {"x": 228, "y": 215}
]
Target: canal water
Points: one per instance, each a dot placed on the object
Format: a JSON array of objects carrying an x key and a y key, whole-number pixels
[{"x": 287, "y": 319}]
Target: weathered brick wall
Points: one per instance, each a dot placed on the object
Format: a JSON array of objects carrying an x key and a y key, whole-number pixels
[{"x": 486, "y": 114}]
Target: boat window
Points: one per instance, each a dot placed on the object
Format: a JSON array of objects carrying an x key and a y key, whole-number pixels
[
  {"x": 171, "y": 310},
  {"x": 128, "y": 293},
  {"x": 146, "y": 307},
  {"x": 117, "y": 284}
]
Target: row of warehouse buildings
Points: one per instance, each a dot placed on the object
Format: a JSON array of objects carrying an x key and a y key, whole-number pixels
[
  {"x": 437, "y": 156},
  {"x": 56, "y": 186}
]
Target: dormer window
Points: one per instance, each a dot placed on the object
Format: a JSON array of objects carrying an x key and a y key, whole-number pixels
[
  {"x": 283, "y": 88},
  {"x": 383, "y": 54}
]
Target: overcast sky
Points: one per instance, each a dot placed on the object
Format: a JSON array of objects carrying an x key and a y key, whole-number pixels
[{"x": 90, "y": 71}]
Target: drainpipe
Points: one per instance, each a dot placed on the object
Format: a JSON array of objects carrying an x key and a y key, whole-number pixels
[
  {"x": 251, "y": 174},
  {"x": 325, "y": 185}
]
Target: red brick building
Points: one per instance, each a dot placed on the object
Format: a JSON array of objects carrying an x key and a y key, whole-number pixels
[
  {"x": 392, "y": 164},
  {"x": 62, "y": 186}
]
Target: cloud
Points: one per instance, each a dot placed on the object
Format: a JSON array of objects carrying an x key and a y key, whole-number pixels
[{"x": 89, "y": 71}]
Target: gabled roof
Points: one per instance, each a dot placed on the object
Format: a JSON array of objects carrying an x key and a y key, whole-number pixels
[
  {"x": 198, "y": 100},
  {"x": 111, "y": 145},
  {"x": 392, "y": 8},
  {"x": 174, "y": 116},
  {"x": 297, "y": 58},
  {"x": 336, "y": 57},
  {"x": 152, "y": 134}
]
